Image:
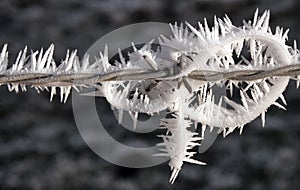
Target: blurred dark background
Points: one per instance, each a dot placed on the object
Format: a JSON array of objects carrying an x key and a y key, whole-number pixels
[{"x": 41, "y": 148}]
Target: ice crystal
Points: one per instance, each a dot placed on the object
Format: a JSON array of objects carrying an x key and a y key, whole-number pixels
[{"x": 188, "y": 101}]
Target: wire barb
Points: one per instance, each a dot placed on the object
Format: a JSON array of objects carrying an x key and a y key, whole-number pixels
[{"x": 82, "y": 79}]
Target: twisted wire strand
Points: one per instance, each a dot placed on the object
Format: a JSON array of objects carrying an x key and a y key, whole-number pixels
[{"x": 82, "y": 79}]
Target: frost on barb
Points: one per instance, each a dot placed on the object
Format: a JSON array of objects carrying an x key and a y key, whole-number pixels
[
  {"x": 179, "y": 139},
  {"x": 219, "y": 49}
]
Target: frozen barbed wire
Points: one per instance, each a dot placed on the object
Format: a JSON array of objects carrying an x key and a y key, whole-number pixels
[{"x": 251, "y": 60}]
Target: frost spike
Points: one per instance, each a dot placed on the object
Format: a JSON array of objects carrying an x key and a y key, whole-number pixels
[
  {"x": 230, "y": 88},
  {"x": 67, "y": 92},
  {"x": 61, "y": 94},
  {"x": 33, "y": 60},
  {"x": 135, "y": 95},
  {"x": 203, "y": 128},
  {"x": 282, "y": 99},
  {"x": 207, "y": 31},
  {"x": 70, "y": 61},
  {"x": 257, "y": 90},
  {"x": 134, "y": 117},
  {"x": 261, "y": 20},
  {"x": 285, "y": 35},
  {"x": 255, "y": 18},
  {"x": 224, "y": 132},
  {"x": 53, "y": 92},
  {"x": 50, "y": 56},
  {"x": 241, "y": 129},
  {"x": 254, "y": 96},
  {"x": 120, "y": 116},
  {"x": 133, "y": 46},
  {"x": 222, "y": 27},
  {"x": 85, "y": 62},
  {"x": 279, "y": 105},
  {"x": 174, "y": 175},
  {"x": 265, "y": 25},
  {"x": 4, "y": 52},
  {"x": 245, "y": 60},
  {"x": 295, "y": 50},
  {"x": 244, "y": 101},
  {"x": 187, "y": 85},
  {"x": 195, "y": 31},
  {"x": 252, "y": 49},
  {"x": 263, "y": 118},
  {"x": 248, "y": 86},
  {"x": 14, "y": 67},
  {"x": 233, "y": 104},
  {"x": 265, "y": 86},
  {"x": 201, "y": 28},
  {"x": 40, "y": 59},
  {"x": 20, "y": 60},
  {"x": 228, "y": 21},
  {"x": 192, "y": 161},
  {"x": 216, "y": 28},
  {"x": 42, "y": 63},
  {"x": 151, "y": 62}
]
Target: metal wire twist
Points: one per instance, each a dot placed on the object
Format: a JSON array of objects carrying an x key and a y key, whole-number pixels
[{"x": 83, "y": 79}]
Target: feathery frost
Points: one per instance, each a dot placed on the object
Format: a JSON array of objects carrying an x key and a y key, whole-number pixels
[{"x": 222, "y": 47}]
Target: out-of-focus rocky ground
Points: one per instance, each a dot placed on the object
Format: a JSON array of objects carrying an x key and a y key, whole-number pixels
[{"x": 41, "y": 148}]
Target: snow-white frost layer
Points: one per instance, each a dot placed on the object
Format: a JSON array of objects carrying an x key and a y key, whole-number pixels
[{"x": 189, "y": 102}]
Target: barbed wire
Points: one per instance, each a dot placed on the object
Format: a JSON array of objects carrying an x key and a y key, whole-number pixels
[{"x": 84, "y": 79}]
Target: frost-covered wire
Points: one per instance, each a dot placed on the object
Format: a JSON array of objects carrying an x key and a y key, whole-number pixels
[{"x": 251, "y": 61}]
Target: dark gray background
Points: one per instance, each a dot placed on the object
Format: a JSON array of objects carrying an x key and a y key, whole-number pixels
[{"x": 41, "y": 148}]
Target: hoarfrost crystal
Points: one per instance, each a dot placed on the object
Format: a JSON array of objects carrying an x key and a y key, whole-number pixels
[{"x": 187, "y": 100}]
